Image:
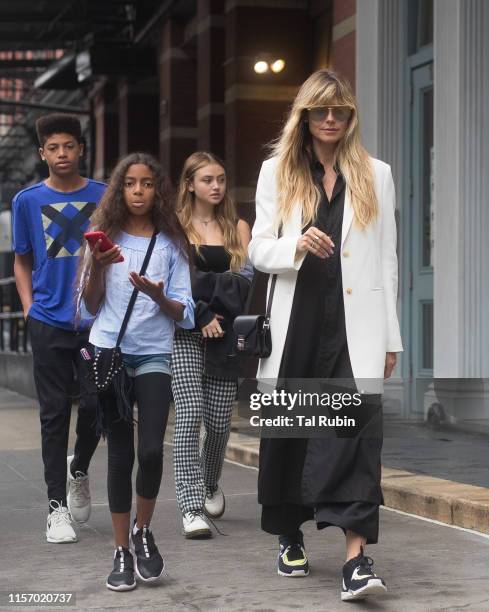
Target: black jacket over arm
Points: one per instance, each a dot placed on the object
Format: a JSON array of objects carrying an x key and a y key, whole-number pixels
[{"x": 223, "y": 293}]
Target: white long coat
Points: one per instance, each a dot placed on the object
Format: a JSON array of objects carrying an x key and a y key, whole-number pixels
[{"x": 369, "y": 274}]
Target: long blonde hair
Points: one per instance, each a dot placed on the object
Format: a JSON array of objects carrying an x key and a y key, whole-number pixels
[
  {"x": 294, "y": 150},
  {"x": 225, "y": 211}
]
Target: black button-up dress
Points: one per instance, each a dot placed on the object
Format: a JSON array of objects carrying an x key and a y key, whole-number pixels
[
  {"x": 317, "y": 335},
  {"x": 334, "y": 480}
]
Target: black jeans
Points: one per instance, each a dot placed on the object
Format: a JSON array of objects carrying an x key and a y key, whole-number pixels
[
  {"x": 56, "y": 356},
  {"x": 151, "y": 391}
]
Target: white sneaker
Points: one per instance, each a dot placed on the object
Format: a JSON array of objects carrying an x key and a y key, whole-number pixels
[
  {"x": 78, "y": 498},
  {"x": 58, "y": 526},
  {"x": 194, "y": 526},
  {"x": 215, "y": 504}
]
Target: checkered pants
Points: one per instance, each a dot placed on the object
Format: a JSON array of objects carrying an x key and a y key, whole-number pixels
[{"x": 198, "y": 397}]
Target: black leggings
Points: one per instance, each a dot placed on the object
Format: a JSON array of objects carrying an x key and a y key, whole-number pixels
[{"x": 152, "y": 394}]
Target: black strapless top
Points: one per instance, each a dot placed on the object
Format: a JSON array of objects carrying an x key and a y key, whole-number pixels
[{"x": 212, "y": 258}]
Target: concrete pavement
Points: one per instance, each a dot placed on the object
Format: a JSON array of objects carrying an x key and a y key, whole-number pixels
[{"x": 427, "y": 566}]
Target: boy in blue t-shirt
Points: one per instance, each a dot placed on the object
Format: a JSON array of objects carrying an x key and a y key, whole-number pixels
[{"x": 49, "y": 220}]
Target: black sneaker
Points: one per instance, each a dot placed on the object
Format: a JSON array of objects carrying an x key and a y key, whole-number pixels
[
  {"x": 121, "y": 577},
  {"x": 149, "y": 562},
  {"x": 359, "y": 580},
  {"x": 292, "y": 559}
]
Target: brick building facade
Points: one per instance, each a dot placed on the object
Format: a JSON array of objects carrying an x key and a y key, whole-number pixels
[{"x": 205, "y": 93}]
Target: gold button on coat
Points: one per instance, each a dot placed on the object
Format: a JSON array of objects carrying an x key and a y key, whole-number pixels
[
  {"x": 346, "y": 253},
  {"x": 349, "y": 291}
]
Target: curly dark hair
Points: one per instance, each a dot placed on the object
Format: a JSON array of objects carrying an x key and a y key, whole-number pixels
[{"x": 112, "y": 213}]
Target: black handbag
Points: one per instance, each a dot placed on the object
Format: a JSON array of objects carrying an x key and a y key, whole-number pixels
[
  {"x": 253, "y": 335},
  {"x": 105, "y": 370}
]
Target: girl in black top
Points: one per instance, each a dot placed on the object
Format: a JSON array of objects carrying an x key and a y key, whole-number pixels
[{"x": 204, "y": 373}]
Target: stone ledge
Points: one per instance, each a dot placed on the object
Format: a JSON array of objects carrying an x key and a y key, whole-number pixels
[{"x": 446, "y": 501}]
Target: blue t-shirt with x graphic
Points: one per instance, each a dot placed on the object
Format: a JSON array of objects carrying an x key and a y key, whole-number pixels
[{"x": 51, "y": 224}]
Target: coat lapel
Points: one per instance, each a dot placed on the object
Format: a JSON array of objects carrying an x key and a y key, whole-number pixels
[{"x": 347, "y": 217}]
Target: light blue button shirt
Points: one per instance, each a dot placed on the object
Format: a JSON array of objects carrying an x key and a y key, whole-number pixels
[{"x": 149, "y": 330}]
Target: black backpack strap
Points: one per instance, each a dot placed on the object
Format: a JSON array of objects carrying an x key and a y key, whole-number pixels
[{"x": 134, "y": 295}]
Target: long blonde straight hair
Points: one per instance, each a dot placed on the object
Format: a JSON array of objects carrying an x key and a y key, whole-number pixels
[
  {"x": 294, "y": 150},
  {"x": 225, "y": 211}
]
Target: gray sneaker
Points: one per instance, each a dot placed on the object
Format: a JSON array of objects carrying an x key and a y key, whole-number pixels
[
  {"x": 78, "y": 498},
  {"x": 215, "y": 504}
]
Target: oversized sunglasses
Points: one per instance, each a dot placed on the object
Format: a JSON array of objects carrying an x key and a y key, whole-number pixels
[{"x": 339, "y": 112}]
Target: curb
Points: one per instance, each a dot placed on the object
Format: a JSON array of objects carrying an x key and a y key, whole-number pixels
[{"x": 446, "y": 501}]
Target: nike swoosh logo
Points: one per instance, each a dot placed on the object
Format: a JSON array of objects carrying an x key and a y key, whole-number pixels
[{"x": 357, "y": 576}]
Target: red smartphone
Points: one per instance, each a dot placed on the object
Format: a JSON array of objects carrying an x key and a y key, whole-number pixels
[{"x": 105, "y": 245}]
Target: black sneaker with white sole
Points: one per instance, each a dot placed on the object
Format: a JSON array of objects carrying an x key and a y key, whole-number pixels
[
  {"x": 149, "y": 562},
  {"x": 122, "y": 577},
  {"x": 359, "y": 579},
  {"x": 292, "y": 559}
]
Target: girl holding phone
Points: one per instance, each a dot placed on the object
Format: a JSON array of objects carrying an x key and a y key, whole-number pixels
[{"x": 135, "y": 206}]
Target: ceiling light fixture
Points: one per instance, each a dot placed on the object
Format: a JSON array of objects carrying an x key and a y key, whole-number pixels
[{"x": 261, "y": 66}]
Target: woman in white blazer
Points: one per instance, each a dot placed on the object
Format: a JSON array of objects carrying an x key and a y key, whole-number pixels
[{"x": 325, "y": 225}]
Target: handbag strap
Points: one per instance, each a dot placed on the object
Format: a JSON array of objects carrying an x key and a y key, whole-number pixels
[
  {"x": 270, "y": 295},
  {"x": 272, "y": 288},
  {"x": 134, "y": 295},
  {"x": 270, "y": 298}
]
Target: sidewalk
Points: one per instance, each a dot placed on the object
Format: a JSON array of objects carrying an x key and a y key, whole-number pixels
[
  {"x": 438, "y": 475},
  {"x": 441, "y": 475},
  {"x": 427, "y": 566}
]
